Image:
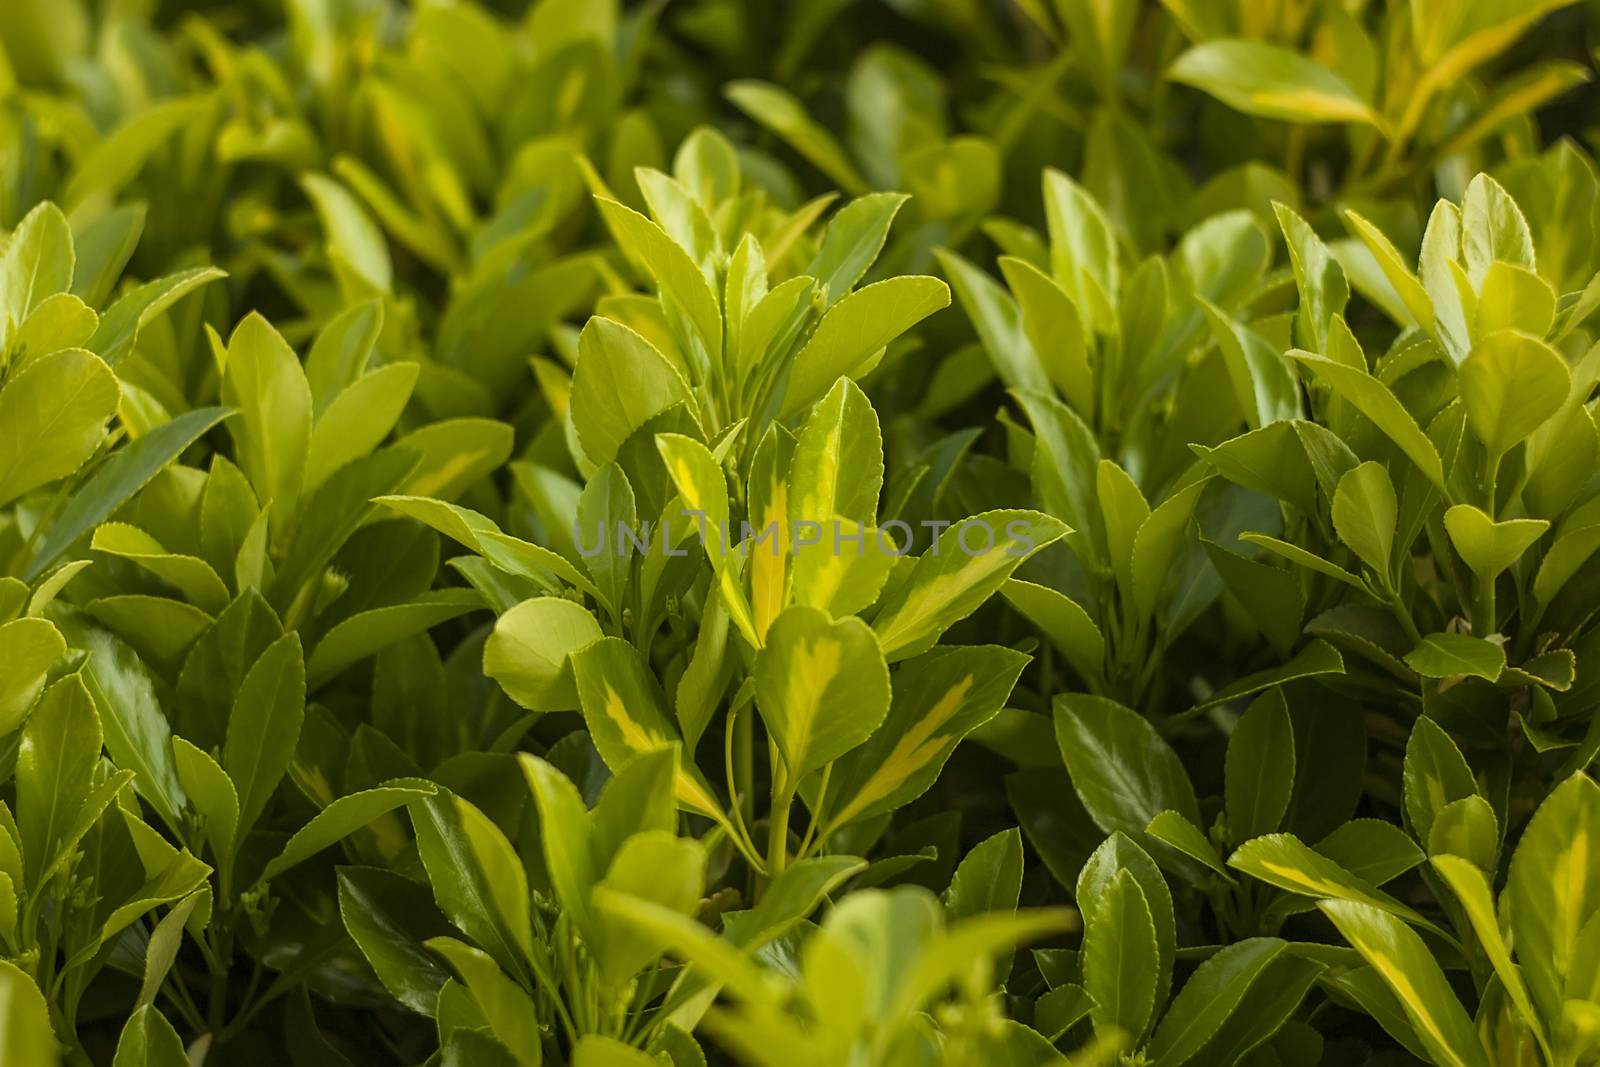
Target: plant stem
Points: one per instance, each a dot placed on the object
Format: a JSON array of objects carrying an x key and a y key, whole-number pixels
[
  {"x": 1483, "y": 606},
  {"x": 816, "y": 813},
  {"x": 778, "y": 830}
]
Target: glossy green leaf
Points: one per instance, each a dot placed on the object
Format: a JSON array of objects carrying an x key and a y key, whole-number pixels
[
  {"x": 1450, "y": 655},
  {"x": 1270, "y": 81},
  {"x": 822, "y": 687},
  {"x": 1124, "y": 772},
  {"x": 54, "y": 414},
  {"x": 265, "y": 726},
  {"x": 1260, "y": 768},
  {"x": 1406, "y": 966}
]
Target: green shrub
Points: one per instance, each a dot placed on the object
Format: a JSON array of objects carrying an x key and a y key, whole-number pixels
[{"x": 507, "y": 558}]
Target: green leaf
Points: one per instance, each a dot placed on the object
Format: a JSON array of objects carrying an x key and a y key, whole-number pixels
[
  {"x": 621, "y": 382},
  {"x": 1262, "y": 379},
  {"x": 368, "y": 633},
  {"x": 638, "y": 798},
  {"x": 389, "y": 917},
  {"x": 454, "y": 454},
  {"x": 1054, "y": 331},
  {"x": 1415, "y": 303},
  {"x": 25, "y": 1035},
  {"x": 1321, "y": 283},
  {"x": 122, "y": 323},
  {"x": 1066, "y": 458},
  {"x": 851, "y": 242},
  {"x": 340, "y": 353},
  {"x": 1316, "y": 658},
  {"x": 1452, "y": 655},
  {"x": 1514, "y": 298},
  {"x": 339, "y": 820},
  {"x": 528, "y": 652},
  {"x": 148, "y": 1040},
  {"x": 1123, "y": 771},
  {"x": 1373, "y": 399},
  {"x": 593, "y": 1051},
  {"x": 1085, "y": 256},
  {"x": 1268, "y": 461},
  {"x": 1174, "y": 830},
  {"x": 1284, "y": 861},
  {"x": 358, "y": 420},
  {"x": 837, "y": 468},
  {"x": 1404, "y": 963},
  {"x": 55, "y": 765},
  {"x": 680, "y": 280},
  {"x": 1466, "y": 828},
  {"x": 511, "y": 1015},
  {"x": 453, "y": 872},
  {"x": 1310, "y": 560},
  {"x": 1272, "y": 82},
  {"x": 1263, "y": 1018},
  {"x": 1375, "y": 851},
  {"x": 1493, "y": 228},
  {"x": 822, "y": 687},
  {"x": 115, "y": 481},
  {"x": 1065, "y": 624},
  {"x": 1364, "y": 514},
  {"x": 481, "y": 535},
  {"x": 1124, "y": 510},
  {"x": 1488, "y": 547},
  {"x": 192, "y": 577},
  {"x": 137, "y": 734},
  {"x": 265, "y": 726},
  {"x": 1472, "y": 890},
  {"x": 332, "y": 514},
  {"x": 354, "y": 241},
  {"x": 855, "y": 329},
  {"x": 656, "y": 866},
  {"x": 690, "y": 940},
  {"x": 53, "y": 413},
  {"x": 968, "y": 563},
  {"x": 567, "y": 827},
  {"x": 504, "y": 880},
  {"x": 1435, "y": 775},
  {"x": 989, "y": 878},
  {"x": 702, "y": 487},
  {"x": 605, "y": 508},
  {"x": 1511, "y": 384},
  {"x": 999, "y": 324},
  {"x": 1554, "y": 888},
  {"x": 37, "y": 263},
  {"x": 624, "y": 712},
  {"x": 1119, "y": 958},
  {"x": 28, "y": 649},
  {"x": 165, "y": 941},
  {"x": 939, "y": 698},
  {"x": 1271, "y": 596},
  {"x": 1209, "y": 998},
  {"x": 114, "y": 160},
  {"x": 271, "y": 433},
  {"x": 1260, "y": 768},
  {"x": 104, "y": 247},
  {"x": 785, "y": 116},
  {"x": 213, "y": 796}
]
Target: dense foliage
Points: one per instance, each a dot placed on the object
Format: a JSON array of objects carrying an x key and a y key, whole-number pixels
[{"x": 887, "y": 533}]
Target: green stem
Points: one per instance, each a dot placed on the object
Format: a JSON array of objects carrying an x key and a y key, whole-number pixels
[
  {"x": 1483, "y": 606},
  {"x": 738, "y": 830},
  {"x": 811, "y": 826},
  {"x": 1402, "y": 613},
  {"x": 778, "y": 830}
]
